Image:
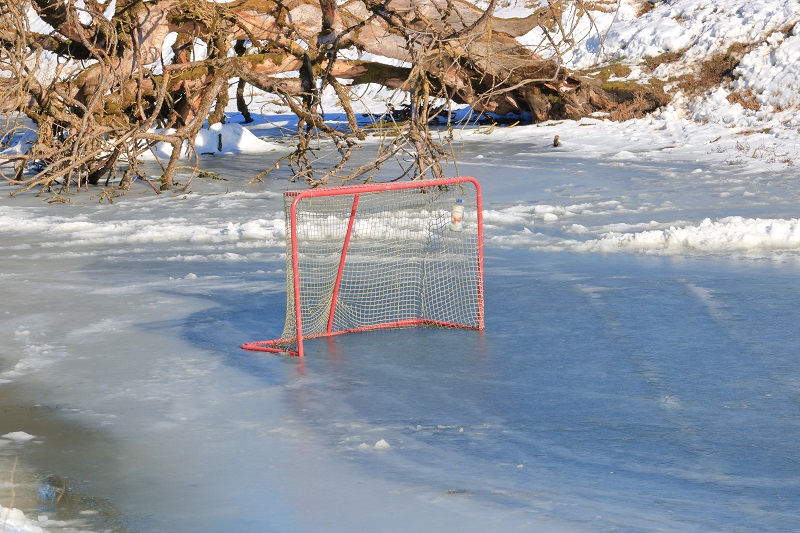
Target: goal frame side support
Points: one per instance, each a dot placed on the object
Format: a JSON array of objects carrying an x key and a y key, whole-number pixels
[
  {"x": 339, "y": 273},
  {"x": 273, "y": 346}
]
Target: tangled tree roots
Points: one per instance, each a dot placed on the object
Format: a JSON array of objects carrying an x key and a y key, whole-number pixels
[{"x": 98, "y": 93}]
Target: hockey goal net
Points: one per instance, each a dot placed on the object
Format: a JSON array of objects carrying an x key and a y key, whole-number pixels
[{"x": 387, "y": 255}]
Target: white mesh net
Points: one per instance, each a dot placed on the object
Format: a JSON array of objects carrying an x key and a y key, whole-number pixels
[{"x": 371, "y": 257}]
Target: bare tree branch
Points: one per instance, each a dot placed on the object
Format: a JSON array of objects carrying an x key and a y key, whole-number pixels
[{"x": 98, "y": 93}]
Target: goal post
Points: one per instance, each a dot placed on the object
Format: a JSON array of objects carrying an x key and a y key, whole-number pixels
[{"x": 376, "y": 256}]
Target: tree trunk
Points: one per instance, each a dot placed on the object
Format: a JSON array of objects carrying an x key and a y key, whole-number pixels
[{"x": 452, "y": 51}]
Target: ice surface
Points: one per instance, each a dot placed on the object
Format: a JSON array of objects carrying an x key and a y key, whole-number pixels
[
  {"x": 639, "y": 369},
  {"x": 615, "y": 391}
]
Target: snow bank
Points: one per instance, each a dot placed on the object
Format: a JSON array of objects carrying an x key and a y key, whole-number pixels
[
  {"x": 701, "y": 28},
  {"x": 76, "y": 230},
  {"x": 772, "y": 71},
  {"x": 697, "y": 30},
  {"x": 219, "y": 139},
  {"x": 726, "y": 235},
  {"x": 735, "y": 235},
  {"x": 15, "y": 521}
]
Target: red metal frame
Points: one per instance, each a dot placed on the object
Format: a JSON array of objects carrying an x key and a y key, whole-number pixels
[
  {"x": 296, "y": 278},
  {"x": 356, "y": 190},
  {"x": 479, "y": 202},
  {"x": 345, "y": 245},
  {"x": 272, "y": 346}
]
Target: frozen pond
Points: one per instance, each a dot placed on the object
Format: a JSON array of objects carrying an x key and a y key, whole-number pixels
[{"x": 656, "y": 389}]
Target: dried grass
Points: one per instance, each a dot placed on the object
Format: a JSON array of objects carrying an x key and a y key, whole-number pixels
[
  {"x": 747, "y": 99},
  {"x": 643, "y": 7}
]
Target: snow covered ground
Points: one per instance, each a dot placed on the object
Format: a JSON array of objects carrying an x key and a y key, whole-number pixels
[{"x": 639, "y": 369}]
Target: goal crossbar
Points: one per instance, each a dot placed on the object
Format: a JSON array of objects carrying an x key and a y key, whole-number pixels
[{"x": 377, "y": 256}]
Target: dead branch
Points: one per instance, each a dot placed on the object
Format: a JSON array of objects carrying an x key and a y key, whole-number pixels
[{"x": 98, "y": 93}]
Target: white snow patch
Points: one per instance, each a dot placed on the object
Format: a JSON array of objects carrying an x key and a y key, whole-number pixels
[
  {"x": 15, "y": 521},
  {"x": 219, "y": 139},
  {"x": 382, "y": 445},
  {"x": 18, "y": 436},
  {"x": 729, "y": 234}
]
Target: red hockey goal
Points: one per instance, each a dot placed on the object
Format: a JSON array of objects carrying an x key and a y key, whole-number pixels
[{"x": 388, "y": 255}]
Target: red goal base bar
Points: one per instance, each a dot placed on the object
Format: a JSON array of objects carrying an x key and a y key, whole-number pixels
[{"x": 273, "y": 346}]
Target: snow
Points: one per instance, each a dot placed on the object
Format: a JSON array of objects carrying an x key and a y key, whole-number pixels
[
  {"x": 771, "y": 71},
  {"x": 219, "y": 139},
  {"x": 638, "y": 371},
  {"x": 18, "y": 436},
  {"x": 727, "y": 235},
  {"x": 381, "y": 445},
  {"x": 701, "y": 26},
  {"x": 15, "y": 521}
]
